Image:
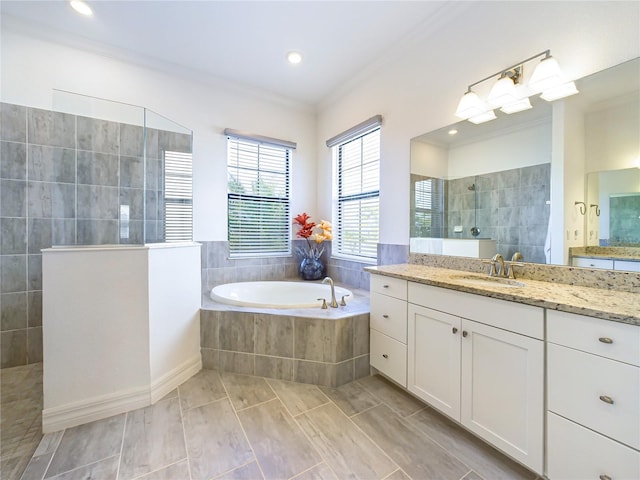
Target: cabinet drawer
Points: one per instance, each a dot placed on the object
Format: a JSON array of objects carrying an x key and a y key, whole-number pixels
[
  {"x": 627, "y": 265},
  {"x": 515, "y": 317},
  {"x": 592, "y": 262},
  {"x": 576, "y": 453},
  {"x": 389, "y": 356},
  {"x": 582, "y": 386},
  {"x": 389, "y": 316},
  {"x": 615, "y": 340},
  {"x": 394, "y": 287}
]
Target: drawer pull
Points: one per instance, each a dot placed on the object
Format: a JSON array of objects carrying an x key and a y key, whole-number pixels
[
  {"x": 604, "y": 477},
  {"x": 606, "y": 340},
  {"x": 454, "y": 330},
  {"x": 385, "y": 286},
  {"x": 606, "y": 399},
  {"x": 464, "y": 333},
  {"x": 385, "y": 316},
  {"x": 384, "y": 355}
]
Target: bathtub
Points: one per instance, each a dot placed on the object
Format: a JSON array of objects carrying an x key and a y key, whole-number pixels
[{"x": 273, "y": 294}]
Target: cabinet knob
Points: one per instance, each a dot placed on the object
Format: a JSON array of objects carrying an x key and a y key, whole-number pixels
[
  {"x": 604, "y": 477},
  {"x": 384, "y": 355},
  {"x": 385, "y": 316},
  {"x": 454, "y": 330},
  {"x": 464, "y": 333},
  {"x": 385, "y": 286},
  {"x": 605, "y": 340},
  {"x": 606, "y": 399}
]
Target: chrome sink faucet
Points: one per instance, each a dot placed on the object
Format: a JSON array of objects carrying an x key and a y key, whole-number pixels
[
  {"x": 496, "y": 271},
  {"x": 333, "y": 302}
]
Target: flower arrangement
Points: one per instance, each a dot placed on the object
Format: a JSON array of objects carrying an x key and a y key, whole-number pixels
[{"x": 311, "y": 231}]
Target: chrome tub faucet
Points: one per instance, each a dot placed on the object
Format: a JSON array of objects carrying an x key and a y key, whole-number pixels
[{"x": 333, "y": 302}]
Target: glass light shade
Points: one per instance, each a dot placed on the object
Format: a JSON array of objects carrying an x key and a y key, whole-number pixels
[
  {"x": 560, "y": 91},
  {"x": 503, "y": 92},
  {"x": 470, "y": 105},
  {"x": 483, "y": 117},
  {"x": 517, "y": 106},
  {"x": 546, "y": 75},
  {"x": 81, "y": 7}
]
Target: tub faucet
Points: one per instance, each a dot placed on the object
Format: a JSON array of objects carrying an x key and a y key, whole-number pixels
[{"x": 333, "y": 303}]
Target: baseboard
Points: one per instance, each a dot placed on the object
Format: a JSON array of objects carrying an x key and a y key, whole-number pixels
[
  {"x": 92, "y": 409},
  {"x": 180, "y": 374}
]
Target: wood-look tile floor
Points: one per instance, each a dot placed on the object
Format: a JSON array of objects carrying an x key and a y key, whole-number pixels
[
  {"x": 228, "y": 426},
  {"x": 20, "y": 417}
]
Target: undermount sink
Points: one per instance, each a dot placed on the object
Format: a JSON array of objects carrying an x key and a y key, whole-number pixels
[{"x": 489, "y": 281}]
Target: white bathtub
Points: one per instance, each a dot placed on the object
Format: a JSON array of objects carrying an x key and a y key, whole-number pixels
[{"x": 276, "y": 294}]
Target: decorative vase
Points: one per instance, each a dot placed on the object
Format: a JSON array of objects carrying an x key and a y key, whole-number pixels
[{"x": 311, "y": 268}]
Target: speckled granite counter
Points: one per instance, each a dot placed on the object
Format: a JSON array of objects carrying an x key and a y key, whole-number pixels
[
  {"x": 618, "y": 306},
  {"x": 630, "y": 254}
]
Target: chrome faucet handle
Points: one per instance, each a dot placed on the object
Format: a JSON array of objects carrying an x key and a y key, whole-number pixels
[
  {"x": 324, "y": 303},
  {"x": 492, "y": 267},
  {"x": 509, "y": 266},
  {"x": 342, "y": 302}
]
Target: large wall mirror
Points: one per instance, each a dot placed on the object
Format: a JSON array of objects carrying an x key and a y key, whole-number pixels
[{"x": 489, "y": 186}]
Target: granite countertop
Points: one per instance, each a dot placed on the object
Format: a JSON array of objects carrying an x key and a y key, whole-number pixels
[
  {"x": 608, "y": 256},
  {"x": 611, "y": 305}
]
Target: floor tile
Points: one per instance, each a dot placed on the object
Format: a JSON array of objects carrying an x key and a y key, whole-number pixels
[
  {"x": 279, "y": 444},
  {"x": 319, "y": 472},
  {"x": 87, "y": 443},
  {"x": 395, "y": 398},
  {"x": 215, "y": 441},
  {"x": 398, "y": 475},
  {"x": 250, "y": 471},
  {"x": 344, "y": 447},
  {"x": 298, "y": 397},
  {"x": 177, "y": 471},
  {"x": 412, "y": 450},
  {"x": 480, "y": 457},
  {"x": 153, "y": 439},
  {"x": 204, "y": 387},
  {"x": 351, "y": 398},
  {"x": 472, "y": 476},
  {"x": 106, "y": 469},
  {"x": 36, "y": 468},
  {"x": 245, "y": 391}
]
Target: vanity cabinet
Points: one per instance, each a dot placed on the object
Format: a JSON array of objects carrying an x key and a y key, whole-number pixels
[
  {"x": 593, "y": 392},
  {"x": 610, "y": 264},
  {"x": 388, "y": 327},
  {"x": 481, "y": 362}
]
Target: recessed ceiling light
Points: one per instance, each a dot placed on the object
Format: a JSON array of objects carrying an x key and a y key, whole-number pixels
[
  {"x": 294, "y": 57},
  {"x": 453, "y": 131},
  {"x": 81, "y": 7}
]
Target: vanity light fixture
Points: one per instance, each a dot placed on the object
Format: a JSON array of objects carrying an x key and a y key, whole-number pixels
[
  {"x": 511, "y": 95},
  {"x": 81, "y": 7},
  {"x": 294, "y": 57}
]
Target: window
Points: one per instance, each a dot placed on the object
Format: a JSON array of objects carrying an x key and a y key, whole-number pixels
[
  {"x": 358, "y": 188},
  {"x": 258, "y": 198},
  {"x": 178, "y": 197},
  {"x": 427, "y": 206}
]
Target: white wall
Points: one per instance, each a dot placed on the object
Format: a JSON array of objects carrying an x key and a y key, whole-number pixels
[
  {"x": 429, "y": 160},
  {"x": 612, "y": 182},
  {"x": 417, "y": 89},
  {"x": 31, "y": 68}
]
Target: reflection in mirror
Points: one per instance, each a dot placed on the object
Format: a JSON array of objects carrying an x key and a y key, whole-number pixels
[{"x": 508, "y": 164}]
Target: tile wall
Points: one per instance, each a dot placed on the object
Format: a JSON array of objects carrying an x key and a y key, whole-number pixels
[{"x": 62, "y": 180}]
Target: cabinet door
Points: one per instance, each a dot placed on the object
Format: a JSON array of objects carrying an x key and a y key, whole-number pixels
[
  {"x": 502, "y": 390},
  {"x": 434, "y": 358}
]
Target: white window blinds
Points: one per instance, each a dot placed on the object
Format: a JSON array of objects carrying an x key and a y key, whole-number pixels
[
  {"x": 178, "y": 197},
  {"x": 258, "y": 198},
  {"x": 358, "y": 183}
]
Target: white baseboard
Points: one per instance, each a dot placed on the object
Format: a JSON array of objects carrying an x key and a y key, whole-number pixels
[
  {"x": 97, "y": 408},
  {"x": 92, "y": 409},
  {"x": 170, "y": 380}
]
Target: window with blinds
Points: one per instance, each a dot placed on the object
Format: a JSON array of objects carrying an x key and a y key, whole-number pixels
[
  {"x": 358, "y": 183},
  {"x": 427, "y": 208},
  {"x": 258, "y": 198},
  {"x": 178, "y": 197}
]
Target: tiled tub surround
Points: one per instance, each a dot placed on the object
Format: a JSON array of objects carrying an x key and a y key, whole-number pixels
[
  {"x": 323, "y": 347},
  {"x": 619, "y": 305},
  {"x": 62, "y": 179},
  {"x": 218, "y": 268}
]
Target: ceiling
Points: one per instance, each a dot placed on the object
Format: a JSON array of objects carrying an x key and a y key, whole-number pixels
[{"x": 243, "y": 42}]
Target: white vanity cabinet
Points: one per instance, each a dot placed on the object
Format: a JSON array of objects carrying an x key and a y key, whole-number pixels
[
  {"x": 388, "y": 327},
  {"x": 480, "y": 361},
  {"x": 593, "y": 391}
]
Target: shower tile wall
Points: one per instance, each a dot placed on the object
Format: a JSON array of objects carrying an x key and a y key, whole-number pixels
[
  {"x": 62, "y": 180},
  {"x": 511, "y": 209}
]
